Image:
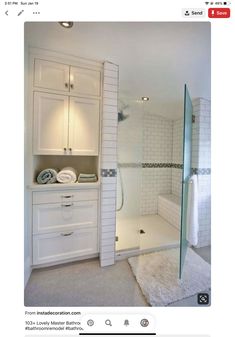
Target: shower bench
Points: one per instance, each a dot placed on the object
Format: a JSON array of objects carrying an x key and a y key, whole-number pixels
[{"x": 169, "y": 208}]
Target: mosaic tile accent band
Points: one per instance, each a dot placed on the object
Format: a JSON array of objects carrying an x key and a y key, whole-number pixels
[
  {"x": 162, "y": 165},
  {"x": 113, "y": 172},
  {"x": 198, "y": 171},
  {"x": 108, "y": 172},
  {"x": 201, "y": 171},
  {"x": 178, "y": 166},
  {"x": 156, "y": 165}
]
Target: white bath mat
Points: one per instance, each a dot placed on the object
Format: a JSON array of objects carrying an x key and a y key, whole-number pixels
[{"x": 157, "y": 275}]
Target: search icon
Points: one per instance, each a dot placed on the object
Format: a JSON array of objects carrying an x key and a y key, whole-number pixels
[{"x": 108, "y": 322}]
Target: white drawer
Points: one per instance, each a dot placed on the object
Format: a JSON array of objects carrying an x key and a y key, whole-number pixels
[
  {"x": 64, "y": 196},
  {"x": 64, "y": 216},
  {"x": 65, "y": 245}
]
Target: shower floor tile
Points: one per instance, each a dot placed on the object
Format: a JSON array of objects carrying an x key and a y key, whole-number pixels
[{"x": 158, "y": 233}]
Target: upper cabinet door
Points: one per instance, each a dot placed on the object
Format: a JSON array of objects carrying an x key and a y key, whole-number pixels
[
  {"x": 85, "y": 81},
  {"x": 50, "y": 123},
  {"x": 51, "y": 75},
  {"x": 84, "y": 126}
]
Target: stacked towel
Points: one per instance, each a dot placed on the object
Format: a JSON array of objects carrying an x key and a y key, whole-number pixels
[
  {"x": 87, "y": 178},
  {"x": 67, "y": 175},
  {"x": 47, "y": 176}
]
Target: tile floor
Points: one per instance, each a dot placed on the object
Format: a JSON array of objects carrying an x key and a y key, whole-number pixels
[{"x": 86, "y": 284}]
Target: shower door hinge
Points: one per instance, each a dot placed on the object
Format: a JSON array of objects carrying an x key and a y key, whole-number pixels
[
  {"x": 116, "y": 238},
  {"x": 193, "y": 119}
]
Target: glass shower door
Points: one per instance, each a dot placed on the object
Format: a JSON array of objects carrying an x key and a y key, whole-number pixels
[{"x": 186, "y": 173}]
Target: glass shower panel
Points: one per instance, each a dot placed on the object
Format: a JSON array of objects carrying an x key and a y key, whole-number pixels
[
  {"x": 186, "y": 173},
  {"x": 129, "y": 178}
]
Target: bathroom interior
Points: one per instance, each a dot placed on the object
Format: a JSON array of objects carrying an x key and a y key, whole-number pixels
[{"x": 138, "y": 138}]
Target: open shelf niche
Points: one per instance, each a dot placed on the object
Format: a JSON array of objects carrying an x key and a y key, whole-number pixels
[{"x": 82, "y": 164}]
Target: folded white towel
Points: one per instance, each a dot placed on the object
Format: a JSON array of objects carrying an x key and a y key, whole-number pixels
[
  {"x": 67, "y": 175},
  {"x": 87, "y": 175},
  {"x": 86, "y": 178},
  {"x": 192, "y": 211}
]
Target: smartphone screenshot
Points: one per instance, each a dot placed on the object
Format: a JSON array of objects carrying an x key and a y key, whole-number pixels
[{"x": 116, "y": 116}]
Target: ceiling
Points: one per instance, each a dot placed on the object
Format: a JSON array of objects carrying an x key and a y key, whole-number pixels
[{"x": 155, "y": 58}]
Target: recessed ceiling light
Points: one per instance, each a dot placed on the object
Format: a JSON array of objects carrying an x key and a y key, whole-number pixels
[
  {"x": 145, "y": 98},
  {"x": 66, "y": 24}
]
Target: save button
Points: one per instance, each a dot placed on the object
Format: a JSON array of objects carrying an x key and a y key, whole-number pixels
[{"x": 219, "y": 13}]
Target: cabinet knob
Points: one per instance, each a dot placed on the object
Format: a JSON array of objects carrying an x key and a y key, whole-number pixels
[
  {"x": 66, "y": 85},
  {"x": 66, "y": 234},
  {"x": 70, "y": 149},
  {"x": 71, "y": 86},
  {"x": 65, "y": 149},
  {"x": 67, "y": 205}
]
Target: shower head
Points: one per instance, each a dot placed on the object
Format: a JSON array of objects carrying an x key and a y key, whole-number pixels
[
  {"x": 121, "y": 116},
  {"x": 122, "y": 107}
]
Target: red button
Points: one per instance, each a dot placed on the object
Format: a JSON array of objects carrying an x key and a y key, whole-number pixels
[{"x": 219, "y": 13}]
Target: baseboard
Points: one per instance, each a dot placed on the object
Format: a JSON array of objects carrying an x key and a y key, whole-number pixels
[
  {"x": 27, "y": 270},
  {"x": 62, "y": 262}
]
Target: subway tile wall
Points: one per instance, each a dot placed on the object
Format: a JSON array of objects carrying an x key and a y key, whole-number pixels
[
  {"x": 157, "y": 148},
  {"x": 157, "y": 139},
  {"x": 155, "y": 181},
  {"x": 177, "y": 157},
  {"x": 144, "y": 138},
  {"x": 201, "y": 149},
  {"x": 130, "y": 143},
  {"x": 169, "y": 208},
  {"x": 108, "y": 165}
]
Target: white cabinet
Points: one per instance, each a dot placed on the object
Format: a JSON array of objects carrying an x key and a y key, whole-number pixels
[
  {"x": 49, "y": 197},
  {"x": 65, "y": 125},
  {"x": 85, "y": 81},
  {"x": 60, "y": 217},
  {"x": 63, "y": 77},
  {"x": 51, "y": 75},
  {"x": 50, "y": 123},
  {"x": 55, "y": 247},
  {"x": 64, "y": 228},
  {"x": 84, "y": 126},
  {"x": 65, "y": 101}
]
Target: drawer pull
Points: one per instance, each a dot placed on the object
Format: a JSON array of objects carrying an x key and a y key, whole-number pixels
[
  {"x": 67, "y": 196},
  {"x": 67, "y": 205},
  {"x": 66, "y": 234}
]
